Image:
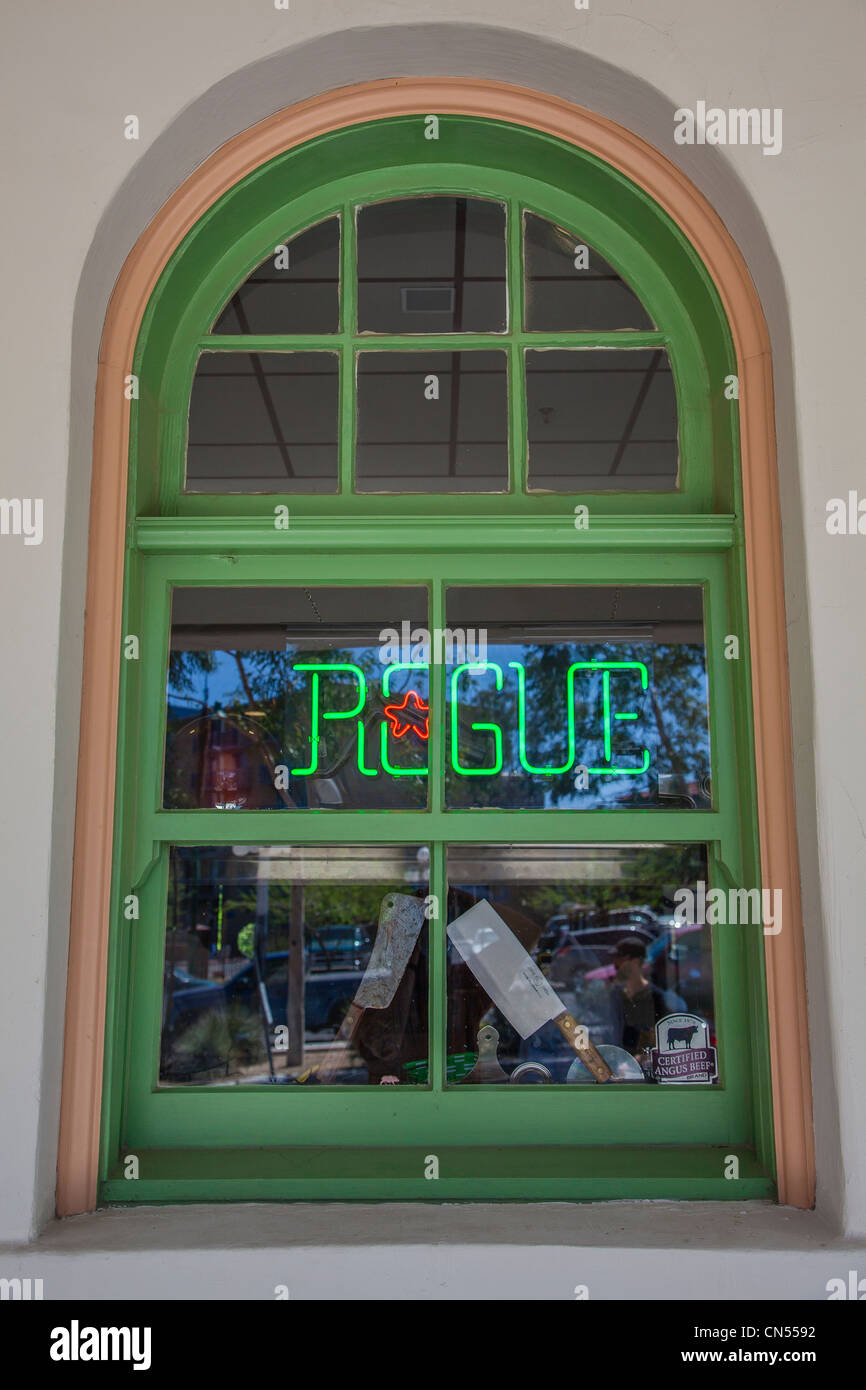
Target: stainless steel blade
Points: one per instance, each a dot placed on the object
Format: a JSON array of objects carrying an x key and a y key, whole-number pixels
[{"x": 504, "y": 969}]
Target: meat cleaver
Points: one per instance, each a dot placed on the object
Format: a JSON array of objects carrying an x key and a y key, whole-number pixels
[
  {"x": 401, "y": 918},
  {"x": 514, "y": 982}
]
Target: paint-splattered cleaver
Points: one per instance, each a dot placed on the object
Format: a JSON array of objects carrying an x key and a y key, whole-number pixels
[
  {"x": 515, "y": 984},
  {"x": 401, "y": 918}
]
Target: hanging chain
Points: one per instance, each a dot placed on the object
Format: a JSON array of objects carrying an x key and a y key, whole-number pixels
[{"x": 313, "y": 606}]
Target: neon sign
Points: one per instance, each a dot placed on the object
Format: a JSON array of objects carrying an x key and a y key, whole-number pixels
[{"x": 411, "y": 716}]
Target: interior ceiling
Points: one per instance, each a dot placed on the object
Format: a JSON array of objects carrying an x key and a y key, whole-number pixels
[
  {"x": 270, "y": 421},
  {"x": 229, "y": 619}
]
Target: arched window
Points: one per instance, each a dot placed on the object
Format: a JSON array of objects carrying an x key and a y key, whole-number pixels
[{"x": 435, "y": 731}]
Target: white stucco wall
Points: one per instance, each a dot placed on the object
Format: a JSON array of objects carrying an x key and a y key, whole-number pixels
[{"x": 77, "y": 194}]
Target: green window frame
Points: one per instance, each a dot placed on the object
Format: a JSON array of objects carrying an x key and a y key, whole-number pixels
[{"x": 204, "y": 1143}]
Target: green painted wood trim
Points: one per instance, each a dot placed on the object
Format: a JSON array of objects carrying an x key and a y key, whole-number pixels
[
  {"x": 416, "y": 827},
  {"x": 392, "y": 1174},
  {"x": 427, "y": 342},
  {"x": 612, "y": 1189},
  {"x": 455, "y": 1161},
  {"x": 258, "y": 534}
]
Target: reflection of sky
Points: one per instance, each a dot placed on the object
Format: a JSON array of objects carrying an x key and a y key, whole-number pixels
[
  {"x": 222, "y": 685},
  {"x": 217, "y": 687}
]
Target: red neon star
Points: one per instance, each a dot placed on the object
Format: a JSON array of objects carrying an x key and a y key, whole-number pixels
[{"x": 404, "y": 717}]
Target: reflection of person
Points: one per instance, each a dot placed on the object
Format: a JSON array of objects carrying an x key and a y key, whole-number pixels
[
  {"x": 636, "y": 1004},
  {"x": 387, "y": 1038}
]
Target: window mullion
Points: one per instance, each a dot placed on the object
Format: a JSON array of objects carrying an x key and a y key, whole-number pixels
[
  {"x": 638, "y": 826},
  {"x": 348, "y": 322},
  {"x": 437, "y": 970},
  {"x": 437, "y": 967},
  {"x": 517, "y": 428},
  {"x": 437, "y": 700}
]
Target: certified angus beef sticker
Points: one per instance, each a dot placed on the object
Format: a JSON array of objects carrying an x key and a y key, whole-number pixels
[{"x": 682, "y": 1053}]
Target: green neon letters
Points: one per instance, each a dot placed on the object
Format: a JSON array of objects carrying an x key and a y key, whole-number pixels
[
  {"x": 605, "y": 667},
  {"x": 315, "y": 737},
  {"x": 521, "y": 719},
  {"x": 477, "y": 668},
  {"x": 462, "y": 672}
]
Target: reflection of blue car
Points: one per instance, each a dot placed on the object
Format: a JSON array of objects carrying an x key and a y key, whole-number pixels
[
  {"x": 336, "y": 948},
  {"x": 190, "y": 996},
  {"x": 326, "y": 994}
]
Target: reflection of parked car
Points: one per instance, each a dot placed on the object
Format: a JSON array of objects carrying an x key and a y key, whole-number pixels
[
  {"x": 571, "y": 961},
  {"x": 554, "y": 935},
  {"x": 338, "y": 948},
  {"x": 591, "y": 948},
  {"x": 633, "y": 920},
  {"x": 327, "y": 994},
  {"x": 682, "y": 959},
  {"x": 189, "y": 996}
]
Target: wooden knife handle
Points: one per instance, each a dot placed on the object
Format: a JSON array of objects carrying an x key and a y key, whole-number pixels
[{"x": 586, "y": 1051}]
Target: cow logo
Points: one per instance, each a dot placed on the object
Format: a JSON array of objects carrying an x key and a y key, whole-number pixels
[{"x": 682, "y": 1054}]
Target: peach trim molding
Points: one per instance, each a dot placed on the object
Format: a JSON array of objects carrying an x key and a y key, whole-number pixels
[{"x": 91, "y": 884}]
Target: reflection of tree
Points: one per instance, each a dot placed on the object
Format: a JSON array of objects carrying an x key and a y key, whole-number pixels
[
  {"x": 650, "y": 877},
  {"x": 680, "y": 707},
  {"x": 676, "y": 698},
  {"x": 260, "y": 737},
  {"x": 660, "y": 872},
  {"x": 270, "y": 707},
  {"x": 185, "y": 670},
  {"x": 672, "y": 724},
  {"x": 197, "y": 877}
]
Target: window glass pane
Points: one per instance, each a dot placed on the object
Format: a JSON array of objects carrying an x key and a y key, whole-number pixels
[
  {"x": 264, "y": 422},
  {"x": 601, "y": 420},
  {"x": 286, "y": 698},
  {"x": 293, "y": 965},
  {"x": 577, "y": 698},
  {"x": 570, "y": 287},
  {"x": 432, "y": 265},
  {"x": 600, "y": 927},
  {"x": 432, "y": 422},
  {"x": 294, "y": 290}
]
